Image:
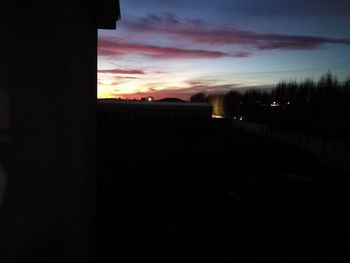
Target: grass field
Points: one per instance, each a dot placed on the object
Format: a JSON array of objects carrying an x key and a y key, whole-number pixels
[{"x": 211, "y": 191}]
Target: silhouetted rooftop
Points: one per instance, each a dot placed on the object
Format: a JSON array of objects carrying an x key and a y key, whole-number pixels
[{"x": 108, "y": 13}]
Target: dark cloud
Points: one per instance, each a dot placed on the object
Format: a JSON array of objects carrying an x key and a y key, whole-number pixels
[
  {"x": 287, "y": 7},
  {"x": 249, "y": 7},
  {"x": 199, "y": 32},
  {"x": 209, "y": 86},
  {"x": 122, "y": 71}
]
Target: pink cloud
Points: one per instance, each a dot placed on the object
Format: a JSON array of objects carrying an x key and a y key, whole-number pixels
[
  {"x": 159, "y": 94},
  {"x": 110, "y": 48},
  {"x": 208, "y": 86},
  {"x": 194, "y": 86},
  {"x": 199, "y": 32}
]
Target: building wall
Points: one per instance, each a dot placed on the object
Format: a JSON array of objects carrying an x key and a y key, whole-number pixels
[
  {"x": 48, "y": 66},
  {"x": 4, "y": 111}
]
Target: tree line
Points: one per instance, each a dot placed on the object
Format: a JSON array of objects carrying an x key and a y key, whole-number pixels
[{"x": 319, "y": 108}]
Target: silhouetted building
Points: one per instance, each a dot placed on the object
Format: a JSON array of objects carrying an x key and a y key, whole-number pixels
[
  {"x": 4, "y": 115},
  {"x": 49, "y": 70}
]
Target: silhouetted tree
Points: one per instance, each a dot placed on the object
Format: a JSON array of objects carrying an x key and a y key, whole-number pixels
[
  {"x": 232, "y": 103},
  {"x": 199, "y": 97},
  {"x": 319, "y": 108}
]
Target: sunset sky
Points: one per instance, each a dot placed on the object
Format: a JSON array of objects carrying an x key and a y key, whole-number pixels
[{"x": 168, "y": 48}]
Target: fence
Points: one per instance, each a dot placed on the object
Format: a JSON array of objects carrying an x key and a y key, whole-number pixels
[{"x": 336, "y": 153}]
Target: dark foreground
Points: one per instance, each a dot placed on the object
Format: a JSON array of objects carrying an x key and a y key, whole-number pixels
[{"x": 193, "y": 193}]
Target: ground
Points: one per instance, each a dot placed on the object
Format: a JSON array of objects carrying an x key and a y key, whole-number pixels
[{"x": 209, "y": 191}]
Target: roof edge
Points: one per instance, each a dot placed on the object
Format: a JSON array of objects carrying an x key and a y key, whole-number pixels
[{"x": 108, "y": 13}]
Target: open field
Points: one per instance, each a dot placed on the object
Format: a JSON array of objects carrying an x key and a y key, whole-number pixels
[{"x": 211, "y": 191}]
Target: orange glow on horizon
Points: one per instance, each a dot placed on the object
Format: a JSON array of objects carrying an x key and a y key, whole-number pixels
[{"x": 129, "y": 87}]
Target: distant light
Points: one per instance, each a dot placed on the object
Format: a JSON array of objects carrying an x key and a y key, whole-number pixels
[
  {"x": 235, "y": 118},
  {"x": 288, "y": 102},
  {"x": 149, "y": 99},
  {"x": 241, "y": 118},
  {"x": 275, "y": 104},
  {"x": 217, "y": 116}
]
